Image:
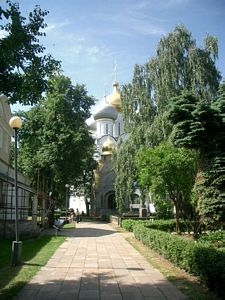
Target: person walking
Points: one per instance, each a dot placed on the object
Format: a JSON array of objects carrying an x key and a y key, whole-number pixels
[{"x": 78, "y": 215}]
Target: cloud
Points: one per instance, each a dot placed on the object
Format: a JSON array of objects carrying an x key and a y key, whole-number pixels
[
  {"x": 54, "y": 26},
  {"x": 133, "y": 19},
  {"x": 178, "y": 2}
]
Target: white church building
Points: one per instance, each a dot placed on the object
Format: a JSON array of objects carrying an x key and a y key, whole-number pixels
[{"x": 107, "y": 129}]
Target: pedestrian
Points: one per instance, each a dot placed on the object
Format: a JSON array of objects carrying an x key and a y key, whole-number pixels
[{"x": 77, "y": 215}]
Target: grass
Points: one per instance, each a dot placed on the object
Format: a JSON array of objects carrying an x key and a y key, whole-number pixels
[
  {"x": 35, "y": 254},
  {"x": 69, "y": 225},
  {"x": 189, "y": 285}
]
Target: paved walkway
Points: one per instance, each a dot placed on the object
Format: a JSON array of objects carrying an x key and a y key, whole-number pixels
[{"x": 96, "y": 262}]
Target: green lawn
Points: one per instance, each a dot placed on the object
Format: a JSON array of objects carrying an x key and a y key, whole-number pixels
[
  {"x": 35, "y": 254},
  {"x": 69, "y": 225}
]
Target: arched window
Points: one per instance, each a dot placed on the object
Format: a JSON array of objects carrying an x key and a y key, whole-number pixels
[{"x": 111, "y": 201}]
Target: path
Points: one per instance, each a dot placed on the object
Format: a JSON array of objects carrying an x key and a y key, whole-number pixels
[{"x": 97, "y": 263}]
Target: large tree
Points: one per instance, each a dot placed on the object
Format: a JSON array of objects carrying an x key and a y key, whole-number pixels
[
  {"x": 179, "y": 64},
  {"x": 201, "y": 125},
  {"x": 55, "y": 142},
  {"x": 169, "y": 172},
  {"x": 24, "y": 68}
]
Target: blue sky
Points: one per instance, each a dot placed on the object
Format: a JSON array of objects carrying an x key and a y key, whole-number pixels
[{"x": 88, "y": 36}]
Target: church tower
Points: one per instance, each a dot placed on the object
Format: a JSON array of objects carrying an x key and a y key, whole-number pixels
[{"x": 106, "y": 128}]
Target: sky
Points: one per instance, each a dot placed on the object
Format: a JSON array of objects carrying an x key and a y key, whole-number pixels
[{"x": 90, "y": 37}]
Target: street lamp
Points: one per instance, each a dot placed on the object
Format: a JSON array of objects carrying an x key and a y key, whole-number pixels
[
  {"x": 16, "y": 123},
  {"x": 67, "y": 192}
]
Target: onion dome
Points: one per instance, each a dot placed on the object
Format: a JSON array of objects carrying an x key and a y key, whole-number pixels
[
  {"x": 91, "y": 124},
  {"x": 105, "y": 112},
  {"x": 114, "y": 99},
  {"x": 108, "y": 147}
]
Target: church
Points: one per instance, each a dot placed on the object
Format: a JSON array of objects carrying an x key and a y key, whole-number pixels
[{"x": 107, "y": 129}]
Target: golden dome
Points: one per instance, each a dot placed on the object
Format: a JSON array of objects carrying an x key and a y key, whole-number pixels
[
  {"x": 107, "y": 147},
  {"x": 114, "y": 99}
]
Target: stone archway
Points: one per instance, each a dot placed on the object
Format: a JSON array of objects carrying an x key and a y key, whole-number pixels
[{"x": 110, "y": 200}]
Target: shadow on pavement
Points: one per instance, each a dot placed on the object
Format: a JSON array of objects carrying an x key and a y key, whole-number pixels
[
  {"x": 80, "y": 231},
  {"x": 97, "y": 285}
]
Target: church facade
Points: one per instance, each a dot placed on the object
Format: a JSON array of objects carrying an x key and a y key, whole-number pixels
[{"x": 107, "y": 129}]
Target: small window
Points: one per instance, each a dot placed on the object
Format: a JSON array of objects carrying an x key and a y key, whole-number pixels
[
  {"x": 6, "y": 143},
  {"x": 106, "y": 129},
  {"x": 1, "y": 137},
  {"x": 1, "y": 109},
  {"x": 118, "y": 129}
]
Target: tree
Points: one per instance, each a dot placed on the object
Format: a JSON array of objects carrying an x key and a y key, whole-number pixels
[
  {"x": 124, "y": 183},
  {"x": 200, "y": 125},
  {"x": 168, "y": 171},
  {"x": 24, "y": 69},
  {"x": 54, "y": 133},
  {"x": 179, "y": 65}
]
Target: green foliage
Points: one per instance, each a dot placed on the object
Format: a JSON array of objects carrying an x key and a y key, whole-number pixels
[
  {"x": 206, "y": 262},
  {"x": 214, "y": 238},
  {"x": 179, "y": 65},
  {"x": 23, "y": 67},
  {"x": 169, "y": 171},
  {"x": 53, "y": 134},
  {"x": 201, "y": 125},
  {"x": 163, "y": 208},
  {"x": 125, "y": 177},
  {"x": 164, "y": 225}
]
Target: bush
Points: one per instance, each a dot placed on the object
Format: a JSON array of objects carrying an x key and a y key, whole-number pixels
[
  {"x": 164, "y": 225},
  {"x": 128, "y": 224},
  {"x": 196, "y": 258},
  {"x": 214, "y": 238}
]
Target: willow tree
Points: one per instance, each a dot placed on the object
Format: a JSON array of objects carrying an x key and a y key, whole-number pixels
[{"x": 179, "y": 65}]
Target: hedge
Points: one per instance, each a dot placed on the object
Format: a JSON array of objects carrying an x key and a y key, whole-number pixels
[
  {"x": 164, "y": 225},
  {"x": 196, "y": 258}
]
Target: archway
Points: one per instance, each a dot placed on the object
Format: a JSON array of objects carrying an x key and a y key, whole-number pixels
[{"x": 111, "y": 201}]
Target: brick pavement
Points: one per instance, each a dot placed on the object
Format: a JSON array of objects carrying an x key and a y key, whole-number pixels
[{"x": 95, "y": 262}]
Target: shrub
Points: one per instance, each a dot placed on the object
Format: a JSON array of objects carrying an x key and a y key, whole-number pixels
[
  {"x": 164, "y": 225},
  {"x": 195, "y": 258},
  {"x": 214, "y": 238},
  {"x": 128, "y": 224}
]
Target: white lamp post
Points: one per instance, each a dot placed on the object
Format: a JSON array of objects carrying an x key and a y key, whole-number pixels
[{"x": 16, "y": 123}]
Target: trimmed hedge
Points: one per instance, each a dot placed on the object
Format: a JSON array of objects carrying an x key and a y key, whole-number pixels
[
  {"x": 164, "y": 225},
  {"x": 214, "y": 238},
  {"x": 196, "y": 258}
]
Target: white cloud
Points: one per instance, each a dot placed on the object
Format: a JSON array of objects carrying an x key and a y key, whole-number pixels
[
  {"x": 178, "y": 2},
  {"x": 53, "y": 26}
]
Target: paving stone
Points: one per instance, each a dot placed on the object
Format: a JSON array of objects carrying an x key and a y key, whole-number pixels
[{"x": 97, "y": 263}]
